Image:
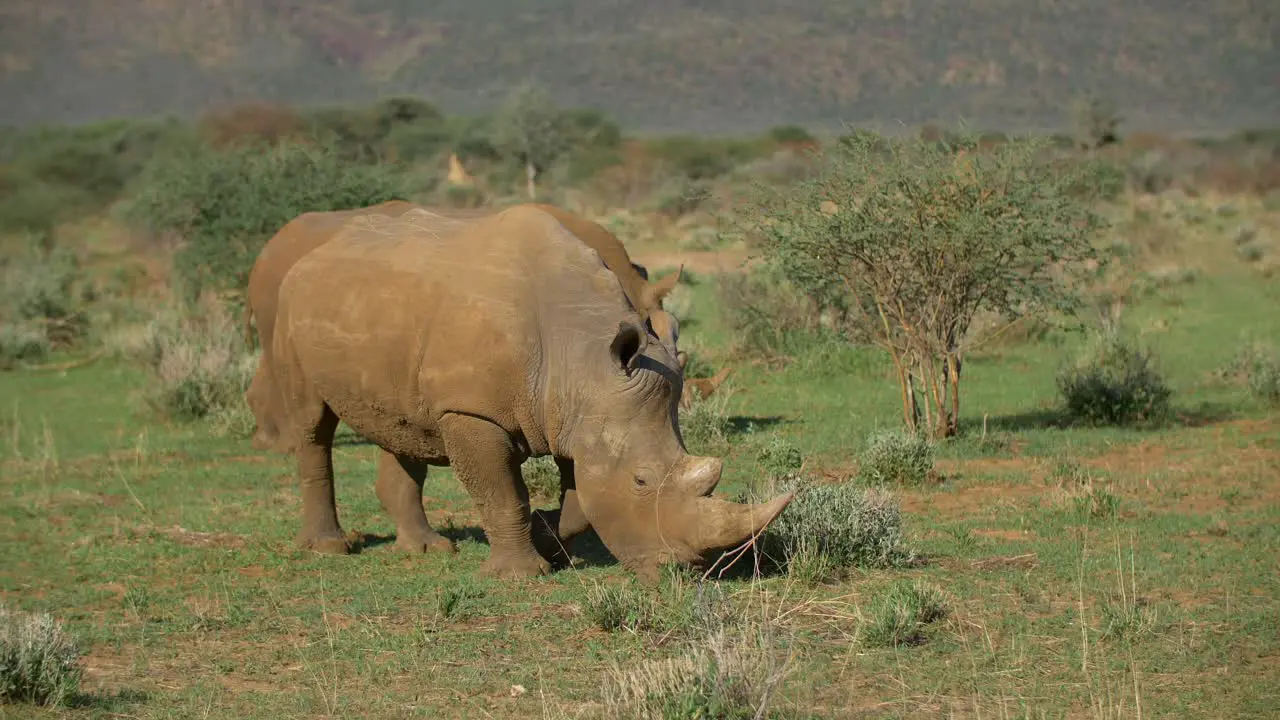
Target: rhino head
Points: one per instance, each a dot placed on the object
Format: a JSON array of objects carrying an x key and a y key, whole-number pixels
[{"x": 646, "y": 496}]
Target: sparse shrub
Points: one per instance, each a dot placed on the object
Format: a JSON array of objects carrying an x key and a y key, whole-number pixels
[
  {"x": 901, "y": 614},
  {"x": 779, "y": 458},
  {"x": 1114, "y": 382},
  {"x": 683, "y": 606},
  {"x": 680, "y": 196},
  {"x": 199, "y": 361},
  {"x": 1257, "y": 366},
  {"x": 1069, "y": 474},
  {"x": 769, "y": 316},
  {"x": 225, "y": 205},
  {"x": 1250, "y": 253},
  {"x": 729, "y": 675},
  {"x": 790, "y": 134},
  {"x": 1096, "y": 121},
  {"x": 22, "y": 343},
  {"x": 44, "y": 295},
  {"x": 705, "y": 425},
  {"x": 541, "y": 477},
  {"x": 618, "y": 607},
  {"x": 896, "y": 457},
  {"x": 699, "y": 158},
  {"x": 829, "y": 527},
  {"x": 1096, "y": 501},
  {"x": 462, "y": 196},
  {"x": 39, "y": 662}
]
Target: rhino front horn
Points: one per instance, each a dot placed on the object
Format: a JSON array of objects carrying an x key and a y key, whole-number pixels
[{"x": 722, "y": 525}]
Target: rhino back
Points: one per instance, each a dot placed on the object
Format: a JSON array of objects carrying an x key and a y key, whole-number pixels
[{"x": 397, "y": 321}]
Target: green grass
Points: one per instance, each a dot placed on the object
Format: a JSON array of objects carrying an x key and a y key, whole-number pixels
[{"x": 1147, "y": 575}]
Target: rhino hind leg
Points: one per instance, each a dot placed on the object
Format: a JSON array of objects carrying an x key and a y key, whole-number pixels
[
  {"x": 266, "y": 401},
  {"x": 488, "y": 465},
  {"x": 320, "y": 529},
  {"x": 257, "y": 397},
  {"x": 399, "y": 489}
]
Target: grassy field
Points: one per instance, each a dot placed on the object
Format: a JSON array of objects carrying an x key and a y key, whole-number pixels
[{"x": 1065, "y": 572}]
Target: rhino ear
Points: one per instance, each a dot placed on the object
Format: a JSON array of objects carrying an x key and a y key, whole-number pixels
[
  {"x": 628, "y": 345},
  {"x": 656, "y": 291}
]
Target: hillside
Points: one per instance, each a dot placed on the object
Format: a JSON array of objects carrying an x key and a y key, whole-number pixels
[{"x": 1177, "y": 65}]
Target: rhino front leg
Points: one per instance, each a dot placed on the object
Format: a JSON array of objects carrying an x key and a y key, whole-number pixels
[
  {"x": 555, "y": 530},
  {"x": 320, "y": 529},
  {"x": 488, "y": 465},
  {"x": 399, "y": 489}
]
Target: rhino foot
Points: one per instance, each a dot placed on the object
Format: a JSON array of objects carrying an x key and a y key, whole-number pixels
[
  {"x": 545, "y": 539},
  {"x": 424, "y": 543},
  {"x": 512, "y": 565},
  {"x": 336, "y": 544}
]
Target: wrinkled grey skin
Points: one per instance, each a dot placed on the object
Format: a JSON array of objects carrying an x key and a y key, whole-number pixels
[{"x": 478, "y": 345}]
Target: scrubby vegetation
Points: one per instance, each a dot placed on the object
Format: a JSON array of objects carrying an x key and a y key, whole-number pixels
[
  {"x": 1095, "y": 516},
  {"x": 39, "y": 662}
]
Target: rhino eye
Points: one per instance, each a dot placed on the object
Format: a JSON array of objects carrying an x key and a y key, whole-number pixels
[{"x": 639, "y": 481}]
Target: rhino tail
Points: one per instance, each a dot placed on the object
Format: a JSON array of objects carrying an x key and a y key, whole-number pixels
[{"x": 248, "y": 326}]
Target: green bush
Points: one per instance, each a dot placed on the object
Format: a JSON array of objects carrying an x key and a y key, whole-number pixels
[
  {"x": 541, "y": 477},
  {"x": 39, "y": 662},
  {"x": 1114, "y": 382},
  {"x": 226, "y": 205},
  {"x": 896, "y": 457},
  {"x": 697, "y": 158},
  {"x": 59, "y": 173},
  {"x": 790, "y": 134},
  {"x": 900, "y": 615}
]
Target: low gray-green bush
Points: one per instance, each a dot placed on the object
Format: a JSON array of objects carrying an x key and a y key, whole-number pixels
[
  {"x": 199, "y": 361},
  {"x": 42, "y": 304},
  {"x": 831, "y": 527},
  {"x": 896, "y": 457},
  {"x": 1255, "y": 365},
  {"x": 39, "y": 662}
]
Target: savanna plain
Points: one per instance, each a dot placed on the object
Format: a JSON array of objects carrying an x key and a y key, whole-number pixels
[{"x": 1038, "y": 560}]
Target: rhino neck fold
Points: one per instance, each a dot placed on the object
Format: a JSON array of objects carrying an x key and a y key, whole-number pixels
[{"x": 556, "y": 395}]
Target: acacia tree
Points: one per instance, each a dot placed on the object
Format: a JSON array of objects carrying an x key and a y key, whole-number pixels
[
  {"x": 530, "y": 128},
  {"x": 920, "y": 237}
]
